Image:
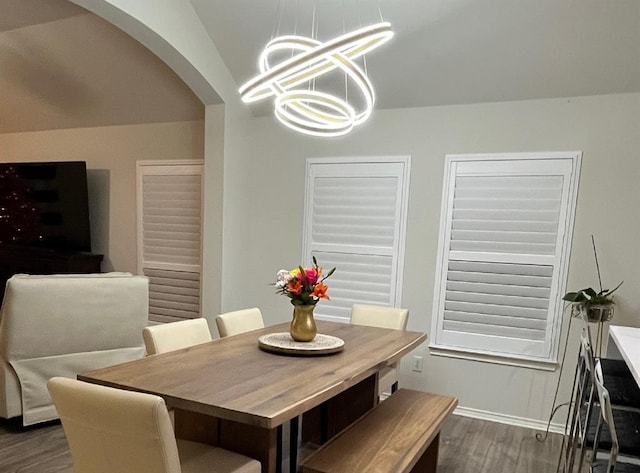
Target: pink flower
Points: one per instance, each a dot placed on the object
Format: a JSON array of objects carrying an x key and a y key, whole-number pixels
[{"x": 312, "y": 275}]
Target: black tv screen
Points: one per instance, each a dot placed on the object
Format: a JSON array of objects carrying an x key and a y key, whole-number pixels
[{"x": 45, "y": 205}]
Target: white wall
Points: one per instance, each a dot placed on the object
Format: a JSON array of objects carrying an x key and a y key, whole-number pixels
[
  {"x": 111, "y": 154},
  {"x": 264, "y": 188}
]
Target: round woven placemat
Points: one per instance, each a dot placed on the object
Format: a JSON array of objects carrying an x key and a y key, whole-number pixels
[{"x": 283, "y": 343}]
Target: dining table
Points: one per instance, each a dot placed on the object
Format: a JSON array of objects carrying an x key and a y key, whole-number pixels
[
  {"x": 626, "y": 344},
  {"x": 233, "y": 393}
]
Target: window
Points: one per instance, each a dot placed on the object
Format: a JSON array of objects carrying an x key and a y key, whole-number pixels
[
  {"x": 355, "y": 220},
  {"x": 505, "y": 235},
  {"x": 169, "y": 236}
]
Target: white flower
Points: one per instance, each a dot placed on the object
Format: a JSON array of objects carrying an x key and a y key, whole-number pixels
[{"x": 283, "y": 278}]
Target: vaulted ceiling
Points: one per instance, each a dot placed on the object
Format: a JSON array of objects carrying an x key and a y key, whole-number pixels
[
  {"x": 61, "y": 67},
  {"x": 453, "y": 51}
]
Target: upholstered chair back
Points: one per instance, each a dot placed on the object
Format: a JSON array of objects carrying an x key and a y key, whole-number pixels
[
  {"x": 114, "y": 430},
  {"x": 111, "y": 430},
  {"x": 171, "y": 336},
  {"x": 383, "y": 317},
  {"x": 379, "y": 316},
  {"x": 239, "y": 321}
]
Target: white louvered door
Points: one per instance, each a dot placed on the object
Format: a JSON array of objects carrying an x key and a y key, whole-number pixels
[
  {"x": 355, "y": 214},
  {"x": 169, "y": 237},
  {"x": 504, "y": 248}
]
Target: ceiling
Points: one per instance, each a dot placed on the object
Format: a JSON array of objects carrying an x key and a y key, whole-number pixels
[
  {"x": 454, "y": 51},
  {"x": 60, "y": 65}
]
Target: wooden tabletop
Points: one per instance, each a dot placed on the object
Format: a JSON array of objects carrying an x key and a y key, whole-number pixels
[{"x": 231, "y": 378}]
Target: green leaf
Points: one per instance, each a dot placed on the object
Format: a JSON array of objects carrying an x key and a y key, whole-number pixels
[
  {"x": 608, "y": 293},
  {"x": 574, "y": 297},
  {"x": 590, "y": 292}
]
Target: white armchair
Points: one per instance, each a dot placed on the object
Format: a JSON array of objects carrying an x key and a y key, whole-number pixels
[{"x": 62, "y": 325}]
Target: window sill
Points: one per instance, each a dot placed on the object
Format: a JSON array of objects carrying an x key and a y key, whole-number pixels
[{"x": 450, "y": 352}]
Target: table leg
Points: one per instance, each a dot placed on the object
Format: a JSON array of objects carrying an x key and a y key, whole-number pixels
[
  {"x": 255, "y": 442},
  {"x": 196, "y": 427},
  {"x": 328, "y": 419},
  {"x": 293, "y": 445},
  {"x": 279, "y": 449}
]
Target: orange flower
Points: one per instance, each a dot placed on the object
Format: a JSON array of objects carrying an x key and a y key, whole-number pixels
[
  {"x": 294, "y": 287},
  {"x": 320, "y": 291}
]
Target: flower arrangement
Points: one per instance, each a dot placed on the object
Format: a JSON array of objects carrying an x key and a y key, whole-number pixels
[{"x": 304, "y": 286}]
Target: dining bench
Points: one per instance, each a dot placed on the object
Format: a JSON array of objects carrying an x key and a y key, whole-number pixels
[{"x": 400, "y": 435}]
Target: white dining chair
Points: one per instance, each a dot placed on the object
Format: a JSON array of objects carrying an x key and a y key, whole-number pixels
[
  {"x": 171, "y": 336},
  {"x": 113, "y": 430},
  {"x": 383, "y": 317},
  {"x": 239, "y": 321}
]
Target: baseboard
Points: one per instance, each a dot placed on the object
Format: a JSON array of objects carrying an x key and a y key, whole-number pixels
[{"x": 534, "y": 424}]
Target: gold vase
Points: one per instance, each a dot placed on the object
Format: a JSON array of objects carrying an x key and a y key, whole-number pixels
[{"x": 303, "y": 326}]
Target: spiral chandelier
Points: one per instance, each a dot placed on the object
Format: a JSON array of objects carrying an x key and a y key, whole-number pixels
[{"x": 307, "y": 110}]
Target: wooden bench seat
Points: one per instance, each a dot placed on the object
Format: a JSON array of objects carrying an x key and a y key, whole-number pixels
[{"x": 400, "y": 435}]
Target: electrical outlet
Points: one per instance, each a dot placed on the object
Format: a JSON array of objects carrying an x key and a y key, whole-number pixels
[{"x": 417, "y": 364}]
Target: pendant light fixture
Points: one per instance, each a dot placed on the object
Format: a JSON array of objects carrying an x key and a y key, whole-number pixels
[{"x": 297, "y": 104}]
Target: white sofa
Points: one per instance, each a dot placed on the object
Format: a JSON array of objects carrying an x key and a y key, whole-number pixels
[{"x": 62, "y": 325}]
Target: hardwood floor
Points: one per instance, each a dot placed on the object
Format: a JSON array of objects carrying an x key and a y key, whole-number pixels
[
  {"x": 37, "y": 449},
  {"x": 466, "y": 446},
  {"x": 477, "y": 446}
]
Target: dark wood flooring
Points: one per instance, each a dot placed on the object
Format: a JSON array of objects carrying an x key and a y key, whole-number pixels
[
  {"x": 477, "y": 446},
  {"x": 37, "y": 449},
  {"x": 467, "y": 446}
]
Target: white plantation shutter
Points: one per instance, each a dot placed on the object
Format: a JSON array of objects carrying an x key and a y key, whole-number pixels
[
  {"x": 505, "y": 235},
  {"x": 355, "y": 214},
  {"x": 169, "y": 237}
]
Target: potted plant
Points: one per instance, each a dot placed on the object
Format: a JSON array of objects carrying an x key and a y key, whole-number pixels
[{"x": 596, "y": 306}]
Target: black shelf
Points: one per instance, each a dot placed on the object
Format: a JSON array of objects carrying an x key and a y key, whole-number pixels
[{"x": 32, "y": 260}]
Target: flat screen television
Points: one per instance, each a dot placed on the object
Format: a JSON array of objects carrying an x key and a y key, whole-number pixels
[{"x": 45, "y": 205}]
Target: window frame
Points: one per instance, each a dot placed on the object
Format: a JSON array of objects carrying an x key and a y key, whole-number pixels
[
  {"x": 351, "y": 166},
  {"x": 167, "y": 168},
  {"x": 566, "y": 227}
]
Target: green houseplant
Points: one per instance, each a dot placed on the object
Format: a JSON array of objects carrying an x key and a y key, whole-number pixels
[{"x": 596, "y": 306}]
